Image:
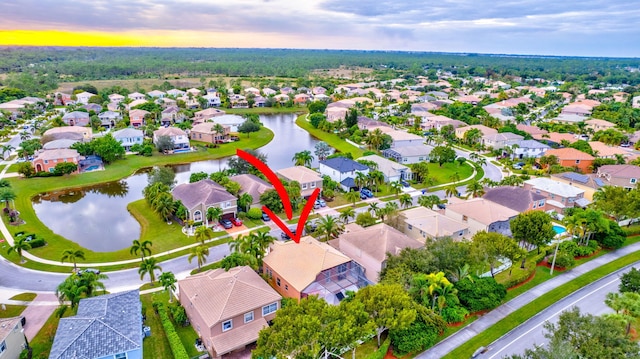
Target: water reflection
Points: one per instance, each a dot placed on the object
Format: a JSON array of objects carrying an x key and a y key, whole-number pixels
[{"x": 96, "y": 217}]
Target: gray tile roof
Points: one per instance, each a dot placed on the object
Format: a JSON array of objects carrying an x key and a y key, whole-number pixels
[
  {"x": 105, "y": 325},
  {"x": 343, "y": 164},
  {"x": 532, "y": 144},
  {"x": 204, "y": 191},
  {"x": 516, "y": 198}
]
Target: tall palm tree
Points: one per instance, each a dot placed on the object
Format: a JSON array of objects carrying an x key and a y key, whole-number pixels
[
  {"x": 388, "y": 210},
  {"x": 203, "y": 233},
  {"x": 7, "y": 148},
  {"x": 70, "y": 290},
  {"x": 72, "y": 256},
  {"x": 329, "y": 227},
  {"x": 200, "y": 253},
  {"x": 219, "y": 130},
  {"x": 164, "y": 206},
  {"x": 24, "y": 136},
  {"x": 238, "y": 244},
  {"x": 168, "y": 282},
  {"x": 374, "y": 139},
  {"x": 352, "y": 197},
  {"x": 376, "y": 178},
  {"x": 149, "y": 266},
  {"x": 405, "y": 200},
  {"x": 244, "y": 201},
  {"x": 7, "y": 195},
  {"x": 140, "y": 247},
  {"x": 91, "y": 281},
  {"x": 549, "y": 161},
  {"x": 214, "y": 214},
  {"x": 19, "y": 245},
  {"x": 429, "y": 201},
  {"x": 264, "y": 240},
  {"x": 475, "y": 189},
  {"x": 396, "y": 188},
  {"x": 451, "y": 190},
  {"x": 373, "y": 208},
  {"x": 347, "y": 213},
  {"x": 361, "y": 180},
  {"x": 303, "y": 158}
]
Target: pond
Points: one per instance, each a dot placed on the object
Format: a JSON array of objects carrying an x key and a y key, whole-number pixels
[{"x": 96, "y": 217}]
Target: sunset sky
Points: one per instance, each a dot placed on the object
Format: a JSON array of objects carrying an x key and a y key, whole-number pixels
[{"x": 559, "y": 27}]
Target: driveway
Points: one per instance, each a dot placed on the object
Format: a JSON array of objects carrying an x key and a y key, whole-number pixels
[{"x": 38, "y": 312}]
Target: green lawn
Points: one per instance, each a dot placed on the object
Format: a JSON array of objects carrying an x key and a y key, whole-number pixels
[
  {"x": 521, "y": 315},
  {"x": 443, "y": 174},
  {"x": 331, "y": 139},
  {"x": 27, "y": 297},
  {"x": 12, "y": 310}
]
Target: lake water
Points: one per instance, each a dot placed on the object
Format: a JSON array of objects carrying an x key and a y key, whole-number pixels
[{"x": 96, "y": 217}]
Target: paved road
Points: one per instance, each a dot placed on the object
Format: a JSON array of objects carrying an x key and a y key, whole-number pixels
[{"x": 589, "y": 299}]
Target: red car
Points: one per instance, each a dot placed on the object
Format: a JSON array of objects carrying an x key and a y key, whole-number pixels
[{"x": 236, "y": 222}]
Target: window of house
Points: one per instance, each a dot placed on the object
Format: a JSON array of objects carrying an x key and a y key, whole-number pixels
[
  {"x": 121, "y": 356},
  {"x": 410, "y": 227},
  {"x": 248, "y": 317},
  {"x": 541, "y": 203},
  {"x": 278, "y": 281},
  {"x": 633, "y": 180},
  {"x": 197, "y": 216},
  {"x": 228, "y": 204},
  {"x": 228, "y": 325},
  {"x": 420, "y": 158},
  {"x": 465, "y": 218},
  {"x": 46, "y": 161},
  {"x": 577, "y": 161},
  {"x": 268, "y": 309},
  {"x": 3, "y": 347},
  {"x": 286, "y": 287},
  {"x": 404, "y": 159},
  {"x": 342, "y": 268},
  {"x": 534, "y": 205},
  {"x": 304, "y": 186},
  {"x": 312, "y": 185}
]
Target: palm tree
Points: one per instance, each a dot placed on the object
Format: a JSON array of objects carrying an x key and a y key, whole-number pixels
[
  {"x": 263, "y": 240},
  {"x": 214, "y": 214},
  {"x": 451, "y": 190},
  {"x": 7, "y": 148},
  {"x": 461, "y": 273},
  {"x": 238, "y": 244},
  {"x": 396, "y": 187},
  {"x": 303, "y": 158},
  {"x": 244, "y": 201},
  {"x": 389, "y": 210},
  {"x": 405, "y": 200},
  {"x": 429, "y": 201},
  {"x": 7, "y": 195},
  {"x": 24, "y": 136},
  {"x": 70, "y": 290},
  {"x": 455, "y": 177},
  {"x": 219, "y": 130},
  {"x": 164, "y": 205},
  {"x": 626, "y": 305},
  {"x": 203, "y": 233},
  {"x": 142, "y": 247},
  {"x": 329, "y": 227},
  {"x": 376, "y": 178},
  {"x": 149, "y": 266},
  {"x": 475, "y": 189},
  {"x": 201, "y": 253},
  {"x": 361, "y": 180},
  {"x": 168, "y": 282},
  {"x": 374, "y": 139},
  {"x": 352, "y": 197},
  {"x": 347, "y": 213},
  {"x": 373, "y": 208},
  {"x": 91, "y": 282},
  {"x": 72, "y": 256},
  {"x": 549, "y": 161},
  {"x": 19, "y": 245}
]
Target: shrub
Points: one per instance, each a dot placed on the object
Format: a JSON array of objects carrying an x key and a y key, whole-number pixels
[
  {"x": 36, "y": 243},
  {"x": 564, "y": 259},
  {"x": 483, "y": 293},
  {"x": 254, "y": 213},
  {"x": 417, "y": 337},
  {"x": 582, "y": 251},
  {"x": 365, "y": 219},
  {"x": 633, "y": 230},
  {"x": 613, "y": 238},
  {"x": 242, "y": 215},
  {"x": 381, "y": 352},
  {"x": 570, "y": 247},
  {"x": 179, "y": 314},
  {"x": 454, "y": 314},
  {"x": 177, "y": 348}
]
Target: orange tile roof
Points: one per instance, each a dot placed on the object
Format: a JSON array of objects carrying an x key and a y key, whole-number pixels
[{"x": 569, "y": 154}]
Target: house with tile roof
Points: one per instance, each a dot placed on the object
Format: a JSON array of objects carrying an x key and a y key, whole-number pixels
[
  {"x": 179, "y": 138},
  {"x": 369, "y": 247},
  {"x": 206, "y": 114},
  {"x": 107, "y": 326},
  {"x": 481, "y": 215},
  {"x": 135, "y": 96},
  {"x": 308, "y": 179},
  {"x": 530, "y": 149},
  {"x": 228, "y": 309},
  {"x": 199, "y": 196},
  {"x": 422, "y": 224},
  {"x": 460, "y": 131},
  {"x": 516, "y": 198},
  {"x": 136, "y": 117},
  {"x": 601, "y": 150},
  {"x": 171, "y": 115},
  {"x": 343, "y": 170},
  {"x": 46, "y": 160},
  {"x": 76, "y": 118},
  {"x": 206, "y": 132},
  {"x": 83, "y": 97},
  {"x": 626, "y": 176},
  {"x": 109, "y": 119},
  {"x": 532, "y": 130},
  {"x": 501, "y": 140},
  {"x": 392, "y": 171},
  {"x": 400, "y": 138},
  {"x": 596, "y": 125},
  {"x": 12, "y": 338},
  {"x": 67, "y": 132},
  {"x": 116, "y": 98},
  {"x": 157, "y": 94},
  {"x": 253, "y": 185},
  {"x": 570, "y": 157},
  {"x": 129, "y": 137},
  {"x": 559, "y": 195},
  {"x": 298, "y": 270},
  {"x": 589, "y": 183},
  {"x": 409, "y": 154}
]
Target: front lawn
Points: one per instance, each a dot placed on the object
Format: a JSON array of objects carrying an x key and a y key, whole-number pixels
[
  {"x": 444, "y": 174},
  {"x": 12, "y": 310}
]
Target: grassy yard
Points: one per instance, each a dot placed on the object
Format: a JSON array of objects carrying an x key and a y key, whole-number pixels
[
  {"x": 331, "y": 139},
  {"x": 27, "y": 297},
  {"x": 12, "y": 310},
  {"x": 444, "y": 174},
  {"x": 521, "y": 315}
]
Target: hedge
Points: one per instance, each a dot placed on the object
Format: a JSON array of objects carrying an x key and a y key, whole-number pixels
[
  {"x": 179, "y": 352},
  {"x": 381, "y": 352},
  {"x": 38, "y": 242},
  {"x": 519, "y": 275}
]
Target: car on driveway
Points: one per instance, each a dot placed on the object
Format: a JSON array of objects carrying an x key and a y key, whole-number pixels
[
  {"x": 518, "y": 166},
  {"x": 404, "y": 183},
  {"x": 367, "y": 192},
  {"x": 319, "y": 203},
  {"x": 236, "y": 222},
  {"x": 226, "y": 223},
  {"x": 265, "y": 217},
  {"x": 285, "y": 236}
]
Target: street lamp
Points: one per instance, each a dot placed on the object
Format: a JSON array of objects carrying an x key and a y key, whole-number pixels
[{"x": 555, "y": 253}]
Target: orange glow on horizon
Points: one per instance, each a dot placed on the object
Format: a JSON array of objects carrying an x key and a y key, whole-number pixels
[{"x": 70, "y": 38}]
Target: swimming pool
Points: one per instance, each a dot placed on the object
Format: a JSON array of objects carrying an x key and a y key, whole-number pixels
[
  {"x": 559, "y": 229},
  {"x": 182, "y": 150},
  {"x": 92, "y": 168}
]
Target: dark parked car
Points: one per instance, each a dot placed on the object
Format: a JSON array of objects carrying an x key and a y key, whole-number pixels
[
  {"x": 265, "y": 217},
  {"x": 236, "y": 222},
  {"x": 89, "y": 270},
  {"x": 285, "y": 236},
  {"x": 363, "y": 196},
  {"x": 367, "y": 192},
  {"x": 404, "y": 183},
  {"x": 226, "y": 223}
]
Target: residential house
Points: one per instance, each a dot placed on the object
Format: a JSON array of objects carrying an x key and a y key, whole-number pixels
[
  {"x": 171, "y": 115},
  {"x": 129, "y": 137},
  {"x": 408, "y": 155},
  {"x": 137, "y": 96},
  {"x": 532, "y": 130},
  {"x": 83, "y": 134},
  {"x": 596, "y": 125},
  {"x": 106, "y": 326},
  {"x": 392, "y": 171},
  {"x": 116, "y": 98},
  {"x": 286, "y": 90},
  {"x": 12, "y": 338},
  {"x": 298, "y": 270},
  {"x": 83, "y": 97},
  {"x": 555, "y": 138},
  {"x": 309, "y": 179},
  {"x": 318, "y": 90},
  {"x": 369, "y": 247},
  {"x": 206, "y": 132},
  {"x": 529, "y": 149},
  {"x": 109, "y": 118},
  {"x": 213, "y": 99},
  {"x": 580, "y": 108},
  {"x": 58, "y": 144},
  {"x": 469, "y": 99},
  {"x": 568, "y": 118},
  {"x": 46, "y": 160},
  {"x": 438, "y": 122},
  {"x": 516, "y": 198},
  {"x": 179, "y": 138},
  {"x": 301, "y": 98},
  {"x": 228, "y": 309},
  {"x": 422, "y": 223},
  {"x": 481, "y": 215},
  {"x": 626, "y": 176},
  {"x": 501, "y": 140},
  {"x": 588, "y": 183},
  {"x": 136, "y": 117},
  {"x": 157, "y": 94},
  {"x": 92, "y": 107},
  {"x": 601, "y": 150},
  {"x": 259, "y": 101},
  {"x": 400, "y": 138},
  {"x": 176, "y": 93},
  {"x": 252, "y": 90},
  {"x": 343, "y": 171},
  {"x": 238, "y": 101},
  {"x": 269, "y": 91},
  {"x": 281, "y": 98},
  {"x": 635, "y": 102},
  {"x": 194, "y": 91},
  {"x": 570, "y": 157},
  {"x": 166, "y": 102},
  {"x": 559, "y": 195},
  {"x": 460, "y": 131},
  {"x": 198, "y": 197},
  {"x": 204, "y": 115},
  {"x": 76, "y": 118},
  {"x": 253, "y": 185}
]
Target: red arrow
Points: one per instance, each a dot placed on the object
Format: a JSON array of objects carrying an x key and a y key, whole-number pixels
[{"x": 284, "y": 196}]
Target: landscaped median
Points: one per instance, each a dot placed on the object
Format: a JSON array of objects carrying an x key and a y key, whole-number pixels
[
  {"x": 521, "y": 315},
  {"x": 164, "y": 237}
]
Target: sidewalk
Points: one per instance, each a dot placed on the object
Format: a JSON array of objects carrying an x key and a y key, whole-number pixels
[{"x": 462, "y": 336}]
